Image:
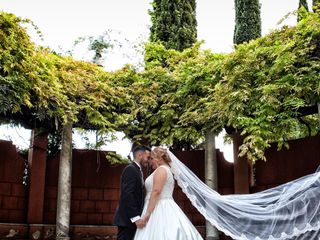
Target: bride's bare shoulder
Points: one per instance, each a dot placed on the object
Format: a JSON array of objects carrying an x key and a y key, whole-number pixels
[{"x": 161, "y": 171}]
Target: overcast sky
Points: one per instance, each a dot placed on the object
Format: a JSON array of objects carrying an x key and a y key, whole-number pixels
[{"x": 63, "y": 21}]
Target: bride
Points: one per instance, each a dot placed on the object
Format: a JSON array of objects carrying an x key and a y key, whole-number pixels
[
  {"x": 290, "y": 211},
  {"x": 163, "y": 217}
]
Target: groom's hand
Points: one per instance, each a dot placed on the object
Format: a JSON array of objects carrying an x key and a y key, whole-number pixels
[{"x": 139, "y": 223}]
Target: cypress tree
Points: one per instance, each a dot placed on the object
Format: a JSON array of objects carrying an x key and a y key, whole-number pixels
[
  {"x": 248, "y": 21},
  {"x": 315, "y": 5},
  {"x": 174, "y": 23},
  {"x": 302, "y": 3}
]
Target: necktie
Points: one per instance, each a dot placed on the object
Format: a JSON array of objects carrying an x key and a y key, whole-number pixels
[{"x": 141, "y": 175}]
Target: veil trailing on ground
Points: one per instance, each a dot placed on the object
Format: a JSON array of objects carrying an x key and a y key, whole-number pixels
[{"x": 289, "y": 211}]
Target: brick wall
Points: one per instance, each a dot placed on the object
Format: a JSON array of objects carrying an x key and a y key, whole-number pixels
[
  {"x": 95, "y": 183},
  {"x": 95, "y": 186},
  {"x": 13, "y": 194},
  {"x": 95, "y": 189},
  {"x": 302, "y": 158}
]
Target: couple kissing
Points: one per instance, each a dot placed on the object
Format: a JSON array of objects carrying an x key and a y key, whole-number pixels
[{"x": 154, "y": 215}]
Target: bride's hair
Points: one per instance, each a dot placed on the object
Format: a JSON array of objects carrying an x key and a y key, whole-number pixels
[{"x": 162, "y": 154}]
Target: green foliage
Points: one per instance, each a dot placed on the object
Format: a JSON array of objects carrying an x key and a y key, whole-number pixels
[
  {"x": 150, "y": 92},
  {"x": 54, "y": 143},
  {"x": 248, "y": 21},
  {"x": 165, "y": 95},
  {"x": 258, "y": 90},
  {"x": 100, "y": 45},
  {"x": 266, "y": 82},
  {"x": 49, "y": 88},
  {"x": 16, "y": 52},
  {"x": 304, "y": 5},
  {"x": 174, "y": 23},
  {"x": 157, "y": 55},
  {"x": 115, "y": 158},
  {"x": 315, "y": 5}
]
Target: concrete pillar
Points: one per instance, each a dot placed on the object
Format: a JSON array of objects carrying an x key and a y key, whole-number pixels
[
  {"x": 211, "y": 177},
  {"x": 37, "y": 159},
  {"x": 241, "y": 167},
  {"x": 64, "y": 185}
]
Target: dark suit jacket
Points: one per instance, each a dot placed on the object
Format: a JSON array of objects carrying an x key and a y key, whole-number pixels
[{"x": 131, "y": 196}]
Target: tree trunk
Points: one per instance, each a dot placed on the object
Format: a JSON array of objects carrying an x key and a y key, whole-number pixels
[
  {"x": 211, "y": 177},
  {"x": 319, "y": 113},
  {"x": 64, "y": 184}
]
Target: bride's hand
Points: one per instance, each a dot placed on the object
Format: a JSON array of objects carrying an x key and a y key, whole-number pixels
[
  {"x": 146, "y": 217},
  {"x": 140, "y": 223}
]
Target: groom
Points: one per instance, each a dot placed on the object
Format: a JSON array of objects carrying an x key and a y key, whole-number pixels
[{"x": 131, "y": 201}]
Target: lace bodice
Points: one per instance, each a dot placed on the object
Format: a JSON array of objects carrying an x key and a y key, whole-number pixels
[{"x": 167, "y": 188}]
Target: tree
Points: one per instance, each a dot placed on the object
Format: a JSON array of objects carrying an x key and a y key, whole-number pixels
[
  {"x": 248, "y": 21},
  {"x": 315, "y": 4},
  {"x": 41, "y": 88},
  {"x": 174, "y": 26},
  {"x": 261, "y": 89},
  {"x": 302, "y": 3},
  {"x": 64, "y": 184},
  {"x": 263, "y": 93},
  {"x": 247, "y": 27},
  {"x": 174, "y": 23}
]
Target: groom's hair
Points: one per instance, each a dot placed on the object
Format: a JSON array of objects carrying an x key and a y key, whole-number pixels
[{"x": 140, "y": 148}]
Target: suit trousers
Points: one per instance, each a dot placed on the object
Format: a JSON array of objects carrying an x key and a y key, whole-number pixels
[{"x": 125, "y": 233}]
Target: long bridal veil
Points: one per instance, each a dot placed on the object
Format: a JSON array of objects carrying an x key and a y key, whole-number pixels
[{"x": 289, "y": 211}]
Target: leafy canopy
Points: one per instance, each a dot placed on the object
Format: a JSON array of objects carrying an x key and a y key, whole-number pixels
[{"x": 259, "y": 89}]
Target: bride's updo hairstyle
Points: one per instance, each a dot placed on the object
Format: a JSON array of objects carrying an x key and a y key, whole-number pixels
[{"x": 162, "y": 153}]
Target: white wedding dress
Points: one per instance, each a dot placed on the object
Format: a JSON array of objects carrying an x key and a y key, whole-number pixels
[{"x": 167, "y": 221}]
